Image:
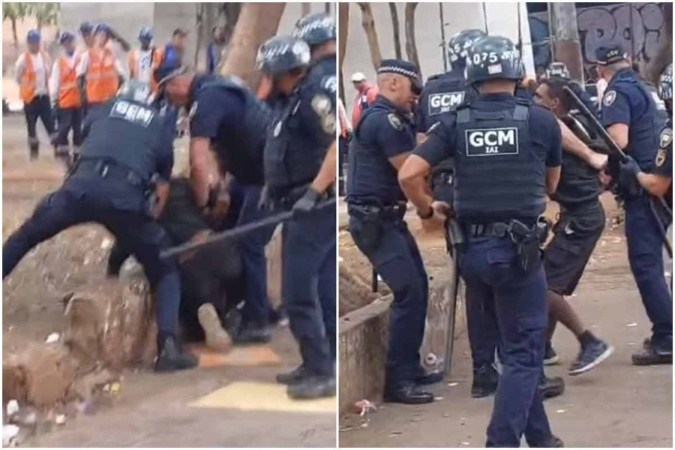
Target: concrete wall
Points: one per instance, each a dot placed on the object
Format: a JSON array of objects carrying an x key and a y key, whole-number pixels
[{"x": 502, "y": 19}]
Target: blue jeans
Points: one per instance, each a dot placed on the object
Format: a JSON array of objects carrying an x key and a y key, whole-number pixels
[
  {"x": 645, "y": 255},
  {"x": 491, "y": 272},
  {"x": 308, "y": 287}
]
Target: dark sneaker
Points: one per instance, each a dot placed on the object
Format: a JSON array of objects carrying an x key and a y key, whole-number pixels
[
  {"x": 312, "y": 387},
  {"x": 294, "y": 376},
  {"x": 172, "y": 358},
  {"x": 551, "y": 387},
  {"x": 590, "y": 356},
  {"x": 653, "y": 353},
  {"x": 550, "y": 356},
  {"x": 484, "y": 381},
  {"x": 408, "y": 393},
  {"x": 251, "y": 333},
  {"x": 551, "y": 442}
]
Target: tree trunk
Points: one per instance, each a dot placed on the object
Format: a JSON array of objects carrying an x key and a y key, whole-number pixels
[
  {"x": 257, "y": 23},
  {"x": 306, "y": 8},
  {"x": 566, "y": 38},
  {"x": 369, "y": 27},
  {"x": 396, "y": 26},
  {"x": 410, "y": 46},
  {"x": 327, "y": 8},
  {"x": 201, "y": 16},
  {"x": 15, "y": 36},
  {"x": 343, "y": 31}
]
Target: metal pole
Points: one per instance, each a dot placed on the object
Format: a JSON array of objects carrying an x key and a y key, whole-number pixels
[{"x": 445, "y": 44}]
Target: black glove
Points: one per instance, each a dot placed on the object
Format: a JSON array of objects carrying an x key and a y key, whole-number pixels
[
  {"x": 628, "y": 180},
  {"x": 306, "y": 203}
]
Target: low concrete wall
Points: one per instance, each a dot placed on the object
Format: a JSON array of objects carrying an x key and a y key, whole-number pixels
[{"x": 363, "y": 342}]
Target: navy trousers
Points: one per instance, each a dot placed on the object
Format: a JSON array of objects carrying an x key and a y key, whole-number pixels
[
  {"x": 308, "y": 286},
  {"x": 88, "y": 199},
  {"x": 68, "y": 119},
  {"x": 492, "y": 274},
  {"x": 38, "y": 108},
  {"x": 398, "y": 261}
]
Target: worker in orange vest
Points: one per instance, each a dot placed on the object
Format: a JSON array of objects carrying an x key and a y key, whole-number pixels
[
  {"x": 365, "y": 96},
  {"x": 66, "y": 99},
  {"x": 99, "y": 70},
  {"x": 145, "y": 60},
  {"x": 87, "y": 32},
  {"x": 32, "y": 73}
]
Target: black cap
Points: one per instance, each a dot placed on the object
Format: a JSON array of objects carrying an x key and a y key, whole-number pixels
[
  {"x": 610, "y": 54},
  {"x": 404, "y": 68}
]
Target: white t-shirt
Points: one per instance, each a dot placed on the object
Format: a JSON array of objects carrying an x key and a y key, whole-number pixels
[
  {"x": 40, "y": 68},
  {"x": 143, "y": 65}
]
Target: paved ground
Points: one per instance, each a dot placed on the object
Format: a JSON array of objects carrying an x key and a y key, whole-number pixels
[
  {"x": 615, "y": 405},
  {"x": 235, "y": 403}
]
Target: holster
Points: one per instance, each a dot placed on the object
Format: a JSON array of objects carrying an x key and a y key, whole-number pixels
[
  {"x": 528, "y": 242},
  {"x": 454, "y": 238},
  {"x": 372, "y": 218}
]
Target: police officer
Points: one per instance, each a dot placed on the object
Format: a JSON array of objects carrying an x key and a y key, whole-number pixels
[
  {"x": 507, "y": 156},
  {"x": 224, "y": 114},
  {"x": 124, "y": 149},
  {"x": 631, "y": 117},
  {"x": 300, "y": 158},
  {"x": 579, "y": 226},
  {"x": 559, "y": 70},
  {"x": 381, "y": 143}
]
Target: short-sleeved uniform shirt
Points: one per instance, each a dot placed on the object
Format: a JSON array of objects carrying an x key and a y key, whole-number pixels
[{"x": 663, "y": 163}]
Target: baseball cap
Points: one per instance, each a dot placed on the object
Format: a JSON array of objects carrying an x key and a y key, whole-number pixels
[{"x": 358, "y": 76}]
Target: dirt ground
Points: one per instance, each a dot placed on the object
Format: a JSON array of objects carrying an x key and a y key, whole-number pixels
[
  {"x": 149, "y": 410},
  {"x": 615, "y": 405}
]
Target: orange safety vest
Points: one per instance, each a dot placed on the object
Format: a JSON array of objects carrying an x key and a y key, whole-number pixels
[
  {"x": 102, "y": 78},
  {"x": 69, "y": 93},
  {"x": 156, "y": 57},
  {"x": 28, "y": 85}
]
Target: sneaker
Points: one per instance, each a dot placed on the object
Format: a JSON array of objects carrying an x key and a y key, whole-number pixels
[
  {"x": 252, "y": 333},
  {"x": 294, "y": 376},
  {"x": 590, "y": 356},
  {"x": 550, "y": 356},
  {"x": 551, "y": 387},
  {"x": 215, "y": 335},
  {"x": 171, "y": 357},
  {"x": 652, "y": 354},
  {"x": 485, "y": 381}
]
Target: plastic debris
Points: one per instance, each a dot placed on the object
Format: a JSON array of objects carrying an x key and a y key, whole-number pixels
[
  {"x": 453, "y": 384},
  {"x": 364, "y": 407},
  {"x": 9, "y": 434},
  {"x": 60, "y": 419},
  {"x": 115, "y": 388},
  {"x": 466, "y": 443},
  {"x": 52, "y": 338},
  {"x": 12, "y": 407},
  {"x": 438, "y": 398},
  {"x": 632, "y": 324},
  {"x": 561, "y": 411},
  {"x": 395, "y": 433}
]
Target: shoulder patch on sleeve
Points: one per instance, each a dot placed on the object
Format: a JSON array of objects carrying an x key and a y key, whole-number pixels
[
  {"x": 666, "y": 138},
  {"x": 609, "y": 98},
  {"x": 395, "y": 121},
  {"x": 660, "y": 157},
  {"x": 322, "y": 107},
  {"x": 329, "y": 83}
]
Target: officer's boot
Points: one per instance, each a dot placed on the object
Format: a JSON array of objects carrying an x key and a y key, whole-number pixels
[
  {"x": 552, "y": 442},
  {"x": 424, "y": 378},
  {"x": 252, "y": 333},
  {"x": 550, "y": 387},
  {"x": 214, "y": 335},
  {"x": 294, "y": 376},
  {"x": 171, "y": 356},
  {"x": 485, "y": 380},
  {"x": 654, "y": 352},
  {"x": 34, "y": 147},
  {"x": 312, "y": 386}
]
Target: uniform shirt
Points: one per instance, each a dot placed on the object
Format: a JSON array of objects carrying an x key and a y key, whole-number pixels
[
  {"x": 441, "y": 94},
  {"x": 217, "y": 114},
  {"x": 55, "y": 78},
  {"x": 83, "y": 67},
  {"x": 663, "y": 163},
  {"x": 41, "y": 71},
  {"x": 320, "y": 83},
  {"x": 544, "y": 132}
]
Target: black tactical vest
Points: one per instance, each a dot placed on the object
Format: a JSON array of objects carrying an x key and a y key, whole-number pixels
[
  {"x": 442, "y": 94},
  {"x": 498, "y": 176}
]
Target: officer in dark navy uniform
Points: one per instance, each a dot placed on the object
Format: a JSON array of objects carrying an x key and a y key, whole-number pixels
[
  {"x": 633, "y": 120},
  {"x": 381, "y": 143},
  {"x": 300, "y": 158},
  {"x": 125, "y": 148},
  {"x": 224, "y": 114},
  {"x": 507, "y": 157}
]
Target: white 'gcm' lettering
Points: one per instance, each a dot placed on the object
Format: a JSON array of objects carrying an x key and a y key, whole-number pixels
[
  {"x": 446, "y": 100},
  {"x": 492, "y": 138},
  {"x": 132, "y": 112}
]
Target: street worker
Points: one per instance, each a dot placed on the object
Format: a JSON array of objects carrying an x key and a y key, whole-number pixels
[
  {"x": 125, "y": 149},
  {"x": 66, "y": 101},
  {"x": 381, "y": 143},
  {"x": 87, "y": 33},
  {"x": 214, "y": 51},
  {"x": 632, "y": 119},
  {"x": 300, "y": 157},
  {"x": 32, "y": 71},
  {"x": 144, "y": 61},
  {"x": 576, "y": 233},
  {"x": 507, "y": 158},
  {"x": 318, "y": 31},
  {"x": 226, "y": 115},
  {"x": 99, "y": 71},
  {"x": 365, "y": 96}
]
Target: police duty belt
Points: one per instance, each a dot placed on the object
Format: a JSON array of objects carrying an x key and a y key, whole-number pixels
[
  {"x": 239, "y": 231},
  {"x": 613, "y": 146}
]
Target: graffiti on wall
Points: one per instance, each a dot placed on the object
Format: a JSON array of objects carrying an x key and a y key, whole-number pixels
[{"x": 638, "y": 27}]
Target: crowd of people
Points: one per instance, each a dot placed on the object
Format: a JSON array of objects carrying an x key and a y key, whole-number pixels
[
  {"x": 482, "y": 149},
  {"x": 252, "y": 155}
]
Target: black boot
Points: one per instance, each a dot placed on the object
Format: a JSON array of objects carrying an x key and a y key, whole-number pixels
[
  {"x": 171, "y": 356},
  {"x": 485, "y": 380},
  {"x": 551, "y": 442},
  {"x": 654, "y": 352},
  {"x": 551, "y": 387},
  {"x": 252, "y": 333},
  {"x": 425, "y": 378},
  {"x": 407, "y": 392},
  {"x": 294, "y": 376},
  {"x": 312, "y": 386},
  {"x": 34, "y": 146}
]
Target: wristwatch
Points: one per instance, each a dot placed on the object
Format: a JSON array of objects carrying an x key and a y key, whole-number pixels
[{"x": 429, "y": 215}]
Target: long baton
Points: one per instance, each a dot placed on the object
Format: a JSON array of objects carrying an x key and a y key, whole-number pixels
[
  {"x": 614, "y": 147},
  {"x": 237, "y": 232}
]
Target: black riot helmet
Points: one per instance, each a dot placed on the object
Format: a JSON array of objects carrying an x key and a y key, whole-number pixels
[
  {"x": 459, "y": 46},
  {"x": 281, "y": 54},
  {"x": 315, "y": 29},
  {"x": 493, "y": 58},
  {"x": 557, "y": 69}
]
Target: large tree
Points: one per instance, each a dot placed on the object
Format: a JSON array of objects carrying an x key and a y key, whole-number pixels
[
  {"x": 368, "y": 23},
  {"x": 343, "y": 33},
  {"x": 410, "y": 45},
  {"x": 396, "y": 26},
  {"x": 14, "y": 12}
]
